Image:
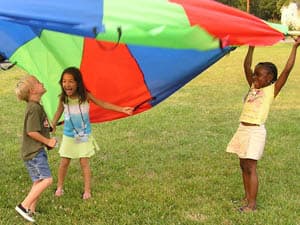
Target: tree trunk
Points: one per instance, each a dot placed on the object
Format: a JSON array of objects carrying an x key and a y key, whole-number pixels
[{"x": 248, "y": 6}]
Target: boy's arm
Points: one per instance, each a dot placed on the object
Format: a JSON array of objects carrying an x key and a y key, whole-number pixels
[
  {"x": 247, "y": 65},
  {"x": 110, "y": 106},
  {"x": 287, "y": 69},
  {"x": 51, "y": 142}
]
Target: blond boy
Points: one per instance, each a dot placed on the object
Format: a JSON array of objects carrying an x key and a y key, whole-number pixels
[{"x": 36, "y": 139}]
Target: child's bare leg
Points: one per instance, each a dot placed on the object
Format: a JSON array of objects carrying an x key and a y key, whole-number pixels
[
  {"x": 84, "y": 162},
  {"x": 33, "y": 205},
  {"x": 36, "y": 190},
  {"x": 250, "y": 179},
  {"x": 245, "y": 181},
  {"x": 62, "y": 171},
  {"x": 253, "y": 183}
]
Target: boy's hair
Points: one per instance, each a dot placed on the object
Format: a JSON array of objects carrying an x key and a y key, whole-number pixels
[
  {"x": 23, "y": 88},
  {"x": 82, "y": 93},
  {"x": 271, "y": 68}
]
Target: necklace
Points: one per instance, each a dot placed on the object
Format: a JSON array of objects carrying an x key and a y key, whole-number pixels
[{"x": 83, "y": 123}]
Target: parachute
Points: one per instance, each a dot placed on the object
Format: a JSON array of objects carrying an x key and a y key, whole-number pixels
[{"x": 131, "y": 53}]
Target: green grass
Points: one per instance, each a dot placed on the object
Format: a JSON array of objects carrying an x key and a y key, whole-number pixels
[{"x": 168, "y": 165}]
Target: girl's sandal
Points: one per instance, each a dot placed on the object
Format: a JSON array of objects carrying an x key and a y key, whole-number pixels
[{"x": 59, "y": 192}]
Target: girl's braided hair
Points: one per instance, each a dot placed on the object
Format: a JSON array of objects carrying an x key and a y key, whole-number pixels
[{"x": 271, "y": 68}]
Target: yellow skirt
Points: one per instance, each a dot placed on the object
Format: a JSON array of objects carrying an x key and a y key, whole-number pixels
[
  {"x": 248, "y": 142},
  {"x": 70, "y": 149}
]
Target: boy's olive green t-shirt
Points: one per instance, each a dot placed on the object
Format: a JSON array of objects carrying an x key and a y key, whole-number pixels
[{"x": 35, "y": 121}]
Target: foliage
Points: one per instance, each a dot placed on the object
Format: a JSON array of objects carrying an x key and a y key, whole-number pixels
[
  {"x": 265, "y": 9},
  {"x": 168, "y": 166},
  {"x": 235, "y": 3}
]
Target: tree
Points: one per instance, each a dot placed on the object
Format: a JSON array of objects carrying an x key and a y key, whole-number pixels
[
  {"x": 233, "y": 3},
  {"x": 265, "y": 9},
  {"x": 248, "y": 6}
]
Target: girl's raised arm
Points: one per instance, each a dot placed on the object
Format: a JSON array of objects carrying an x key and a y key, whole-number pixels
[
  {"x": 247, "y": 65},
  {"x": 110, "y": 106},
  {"x": 287, "y": 69}
]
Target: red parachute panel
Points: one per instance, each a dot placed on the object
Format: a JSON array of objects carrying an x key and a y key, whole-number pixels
[
  {"x": 115, "y": 64},
  {"x": 231, "y": 25}
]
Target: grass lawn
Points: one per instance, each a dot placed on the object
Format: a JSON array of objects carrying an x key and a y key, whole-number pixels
[{"x": 168, "y": 165}]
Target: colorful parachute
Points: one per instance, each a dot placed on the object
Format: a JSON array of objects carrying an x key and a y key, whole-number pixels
[{"x": 131, "y": 53}]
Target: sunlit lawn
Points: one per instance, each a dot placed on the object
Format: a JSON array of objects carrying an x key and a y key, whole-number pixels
[{"x": 168, "y": 165}]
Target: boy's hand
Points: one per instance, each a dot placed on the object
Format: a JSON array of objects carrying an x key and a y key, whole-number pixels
[{"x": 51, "y": 143}]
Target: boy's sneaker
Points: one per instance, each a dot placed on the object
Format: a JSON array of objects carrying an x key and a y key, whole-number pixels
[{"x": 24, "y": 213}]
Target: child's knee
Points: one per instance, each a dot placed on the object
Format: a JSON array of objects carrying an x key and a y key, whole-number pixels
[
  {"x": 248, "y": 166},
  {"x": 84, "y": 162},
  {"x": 48, "y": 181},
  {"x": 65, "y": 163},
  {"x": 248, "y": 169}
]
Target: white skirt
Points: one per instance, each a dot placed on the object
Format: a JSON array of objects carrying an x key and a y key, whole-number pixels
[{"x": 248, "y": 142}]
